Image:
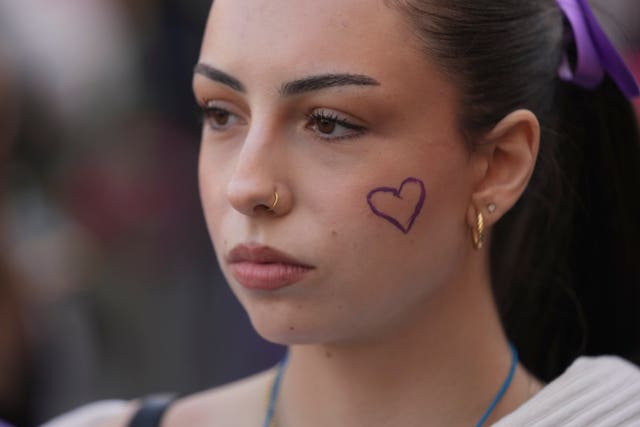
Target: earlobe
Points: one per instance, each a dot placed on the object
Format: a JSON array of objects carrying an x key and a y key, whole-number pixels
[{"x": 508, "y": 159}]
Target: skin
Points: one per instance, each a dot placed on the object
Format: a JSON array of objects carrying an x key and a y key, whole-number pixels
[{"x": 389, "y": 328}]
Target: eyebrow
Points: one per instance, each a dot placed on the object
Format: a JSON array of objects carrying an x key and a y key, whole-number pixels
[
  {"x": 295, "y": 87},
  {"x": 325, "y": 81},
  {"x": 219, "y": 76}
]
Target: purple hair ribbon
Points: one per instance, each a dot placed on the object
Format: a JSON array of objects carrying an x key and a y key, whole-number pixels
[{"x": 596, "y": 55}]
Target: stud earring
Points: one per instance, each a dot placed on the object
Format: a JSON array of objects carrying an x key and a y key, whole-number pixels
[{"x": 491, "y": 207}]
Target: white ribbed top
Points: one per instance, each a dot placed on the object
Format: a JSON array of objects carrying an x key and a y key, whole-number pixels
[
  {"x": 594, "y": 392},
  {"x": 90, "y": 415}
]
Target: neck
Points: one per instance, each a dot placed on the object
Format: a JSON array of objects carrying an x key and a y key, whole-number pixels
[{"x": 442, "y": 365}]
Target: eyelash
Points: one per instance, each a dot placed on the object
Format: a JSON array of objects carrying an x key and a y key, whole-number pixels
[
  {"x": 207, "y": 113},
  {"x": 318, "y": 116},
  {"x": 332, "y": 117}
]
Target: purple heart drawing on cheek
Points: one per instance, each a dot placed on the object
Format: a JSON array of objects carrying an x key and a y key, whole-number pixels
[{"x": 399, "y": 206}]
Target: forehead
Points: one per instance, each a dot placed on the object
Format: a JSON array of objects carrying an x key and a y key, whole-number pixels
[{"x": 305, "y": 34}]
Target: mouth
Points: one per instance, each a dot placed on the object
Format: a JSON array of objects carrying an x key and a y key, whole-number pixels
[{"x": 264, "y": 268}]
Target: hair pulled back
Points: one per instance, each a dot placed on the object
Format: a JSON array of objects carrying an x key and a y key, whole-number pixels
[{"x": 565, "y": 261}]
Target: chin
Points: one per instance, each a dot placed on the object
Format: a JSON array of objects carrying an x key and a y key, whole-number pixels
[
  {"x": 299, "y": 328},
  {"x": 287, "y": 336}
]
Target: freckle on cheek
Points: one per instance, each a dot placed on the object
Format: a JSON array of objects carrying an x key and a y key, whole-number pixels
[
  {"x": 329, "y": 355},
  {"x": 292, "y": 328},
  {"x": 334, "y": 233}
]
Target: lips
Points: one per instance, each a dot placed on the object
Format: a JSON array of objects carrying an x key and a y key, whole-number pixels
[{"x": 264, "y": 268}]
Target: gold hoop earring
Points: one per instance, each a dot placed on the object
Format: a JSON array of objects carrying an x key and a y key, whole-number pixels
[
  {"x": 276, "y": 199},
  {"x": 477, "y": 233}
]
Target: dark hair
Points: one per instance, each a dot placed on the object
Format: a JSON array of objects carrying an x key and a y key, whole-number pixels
[{"x": 565, "y": 260}]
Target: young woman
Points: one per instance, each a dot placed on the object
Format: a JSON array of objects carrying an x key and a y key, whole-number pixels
[{"x": 407, "y": 191}]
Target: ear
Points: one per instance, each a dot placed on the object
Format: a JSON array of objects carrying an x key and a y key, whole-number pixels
[{"x": 504, "y": 162}]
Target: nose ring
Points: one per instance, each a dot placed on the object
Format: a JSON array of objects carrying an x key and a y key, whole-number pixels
[{"x": 276, "y": 199}]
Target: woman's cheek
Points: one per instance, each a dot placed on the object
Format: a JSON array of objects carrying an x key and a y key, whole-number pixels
[
  {"x": 212, "y": 195},
  {"x": 377, "y": 222},
  {"x": 398, "y": 204}
]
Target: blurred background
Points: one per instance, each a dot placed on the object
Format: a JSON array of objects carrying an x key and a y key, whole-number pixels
[
  {"x": 109, "y": 286},
  {"x": 108, "y": 282}
]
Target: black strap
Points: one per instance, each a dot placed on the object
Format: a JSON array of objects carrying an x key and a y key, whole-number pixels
[{"x": 151, "y": 411}]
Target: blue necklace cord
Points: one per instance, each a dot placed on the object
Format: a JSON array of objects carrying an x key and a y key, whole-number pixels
[
  {"x": 275, "y": 389},
  {"x": 505, "y": 386}
]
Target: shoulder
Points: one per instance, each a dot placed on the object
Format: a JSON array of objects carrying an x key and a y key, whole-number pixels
[
  {"x": 601, "y": 391},
  {"x": 239, "y": 403}
]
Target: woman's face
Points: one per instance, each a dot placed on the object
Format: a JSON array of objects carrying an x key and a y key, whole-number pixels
[{"x": 331, "y": 105}]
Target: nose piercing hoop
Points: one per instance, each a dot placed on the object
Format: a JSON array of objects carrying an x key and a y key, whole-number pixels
[{"x": 276, "y": 199}]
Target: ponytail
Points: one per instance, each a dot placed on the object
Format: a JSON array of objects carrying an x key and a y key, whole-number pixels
[{"x": 566, "y": 259}]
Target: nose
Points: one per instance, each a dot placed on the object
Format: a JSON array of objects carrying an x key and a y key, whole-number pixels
[{"x": 256, "y": 186}]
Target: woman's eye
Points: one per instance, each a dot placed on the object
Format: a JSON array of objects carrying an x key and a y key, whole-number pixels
[
  {"x": 219, "y": 118},
  {"x": 329, "y": 125}
]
